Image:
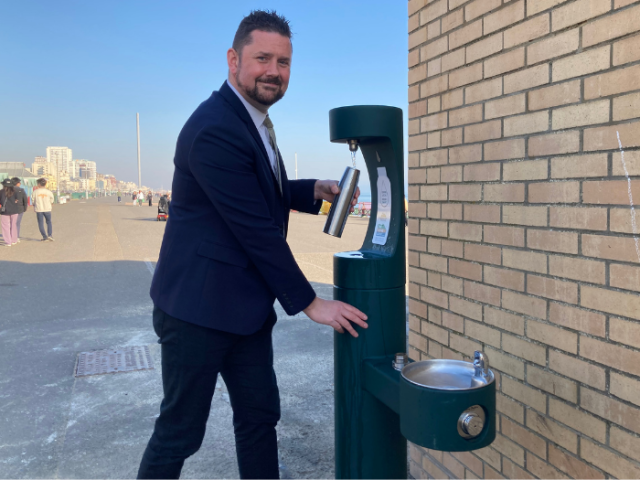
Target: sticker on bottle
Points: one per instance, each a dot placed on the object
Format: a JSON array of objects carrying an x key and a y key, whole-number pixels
[{"x": 383, "y": 220}]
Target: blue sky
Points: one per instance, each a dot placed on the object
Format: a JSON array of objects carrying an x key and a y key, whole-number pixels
[{"x": 74, "y": 73}]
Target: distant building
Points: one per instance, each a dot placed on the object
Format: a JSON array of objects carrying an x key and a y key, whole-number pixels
[
  {"x": 62, "y": 157},
  {"x": 84, "y": 169}
]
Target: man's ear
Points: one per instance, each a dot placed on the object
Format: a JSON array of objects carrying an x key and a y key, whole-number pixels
[{"x": 233, "y": 59}]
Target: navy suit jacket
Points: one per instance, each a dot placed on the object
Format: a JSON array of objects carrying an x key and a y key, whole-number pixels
[{"x": 224, "y": 257}]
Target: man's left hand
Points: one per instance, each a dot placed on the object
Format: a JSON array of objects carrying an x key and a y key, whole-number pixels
[{"x": 328, "y": 189}]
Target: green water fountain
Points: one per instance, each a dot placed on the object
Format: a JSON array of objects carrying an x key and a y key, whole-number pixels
[{"x": 381, "y": 398}]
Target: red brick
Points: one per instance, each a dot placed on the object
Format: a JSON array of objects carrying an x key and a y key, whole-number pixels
[
  {"x": 504, "y": 17},
  {"x": 452, "y": 249},
  {"x": 465, "y": 76},
  {"x": 452, "y": 211},
  {"x": 554, "y": 289},
  {"x": 627, "y": 50},
  {"x": 526, "y": 170}
]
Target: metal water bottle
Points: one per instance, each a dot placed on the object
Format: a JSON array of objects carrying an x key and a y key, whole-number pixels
[{"x": 342, "y": 203}]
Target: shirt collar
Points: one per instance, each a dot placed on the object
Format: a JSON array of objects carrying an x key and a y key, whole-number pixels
[{"x": 256, "y": 115}]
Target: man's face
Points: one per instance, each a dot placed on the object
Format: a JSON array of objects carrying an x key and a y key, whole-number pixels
[{"x": 262, "y": 71}]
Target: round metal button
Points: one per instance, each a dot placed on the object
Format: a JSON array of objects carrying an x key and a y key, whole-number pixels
[{"x": 471, "y": 422}]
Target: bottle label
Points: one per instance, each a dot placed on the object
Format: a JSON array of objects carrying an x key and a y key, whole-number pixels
[{"x": 383, "y": 220}]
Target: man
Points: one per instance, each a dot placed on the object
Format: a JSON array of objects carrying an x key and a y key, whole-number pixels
[
  {"x": 22, "y": 200},
  {"x": 119, "y": 196},
  {"x": 42, "y": 199},
  {"x": 224, "y": 260}
]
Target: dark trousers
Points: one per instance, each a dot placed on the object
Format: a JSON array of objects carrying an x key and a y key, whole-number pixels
[
  {"x": 192, "y": 357},
  {"x": 42, "y": 216}
]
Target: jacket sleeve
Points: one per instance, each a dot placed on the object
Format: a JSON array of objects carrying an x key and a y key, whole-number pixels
[
  {"x": 25, "y": 202},
  {"x": 302, "y": 196},
  {"x": 223, "y": 165}
]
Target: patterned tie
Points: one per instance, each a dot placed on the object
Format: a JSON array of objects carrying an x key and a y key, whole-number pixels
[{"x": 272, "y": 138}]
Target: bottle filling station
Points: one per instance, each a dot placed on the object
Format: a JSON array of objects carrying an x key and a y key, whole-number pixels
[{"x": 381, "y": 398}]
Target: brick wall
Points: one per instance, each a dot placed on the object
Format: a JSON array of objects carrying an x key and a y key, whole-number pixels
[{"x": 521, "y": 232}]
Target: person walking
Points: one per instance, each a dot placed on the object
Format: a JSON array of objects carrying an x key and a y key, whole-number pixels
[
  {"x": 140, "y": 198},
  {"x": 134, "y": 198},
  {"x": 119, "y": 196},
  {"x": 23, "y": 202},
  {"x": 10, "y": 208},
  {"x": 225, "y": 259},
  {"x": 42, "y": 200},
  {"x": 150, "y": 198}
]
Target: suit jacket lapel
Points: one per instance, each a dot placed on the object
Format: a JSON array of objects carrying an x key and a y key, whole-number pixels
[{"x": 233, "y": 99}]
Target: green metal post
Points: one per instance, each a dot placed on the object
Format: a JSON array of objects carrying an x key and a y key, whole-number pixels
[{"x": 368, "y": 439}]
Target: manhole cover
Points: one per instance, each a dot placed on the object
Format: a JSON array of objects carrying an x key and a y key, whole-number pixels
[{"x": 113, "y": 360}]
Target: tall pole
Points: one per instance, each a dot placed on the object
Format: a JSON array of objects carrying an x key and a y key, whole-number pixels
[
  {"x": 138, "y": 130},
  {"x": 296, "y": 165}
]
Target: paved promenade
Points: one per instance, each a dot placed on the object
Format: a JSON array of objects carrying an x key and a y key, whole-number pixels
[{"x": 89, "y": 290}]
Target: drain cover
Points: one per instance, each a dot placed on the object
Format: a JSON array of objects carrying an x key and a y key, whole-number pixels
[{"x": 113, "y": 360}]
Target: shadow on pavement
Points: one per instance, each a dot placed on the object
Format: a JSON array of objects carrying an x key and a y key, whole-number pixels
[{"x": 55, "y": 425}]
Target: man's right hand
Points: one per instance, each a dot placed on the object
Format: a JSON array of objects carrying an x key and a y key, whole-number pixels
[{"x": 336, "y": 314}]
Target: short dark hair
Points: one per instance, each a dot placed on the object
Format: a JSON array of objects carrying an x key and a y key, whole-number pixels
[
  {"x": 42, "y": 182},
  {"x": 263, "y": 20},
  {"x": 16, "y": 180}
]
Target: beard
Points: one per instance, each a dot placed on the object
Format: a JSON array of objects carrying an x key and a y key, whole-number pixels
[{"x": 263, "y": 98}]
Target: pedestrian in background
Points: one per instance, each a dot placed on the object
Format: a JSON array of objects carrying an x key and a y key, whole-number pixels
[
  {"x": 134, "y": 197},
  {"x": 42, "y": 199},
  {"x": 150, "y": 198},
  {"x": 23, "y": 201},
  {"x": 119, "y": 196},
  {"x": 140, "y": 197},
  {"x": 9, "y": 210}
]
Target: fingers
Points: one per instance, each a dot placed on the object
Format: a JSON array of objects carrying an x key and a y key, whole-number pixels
[
  {"x": 334, "y": 188},
  {"x": 346, "y": 325}
]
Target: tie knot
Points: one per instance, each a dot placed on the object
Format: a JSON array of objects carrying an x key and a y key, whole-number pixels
[{"x": 267, "y": 122}]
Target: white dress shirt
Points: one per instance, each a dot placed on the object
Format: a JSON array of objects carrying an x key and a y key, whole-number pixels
[{"x": 258, "y": 119}]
